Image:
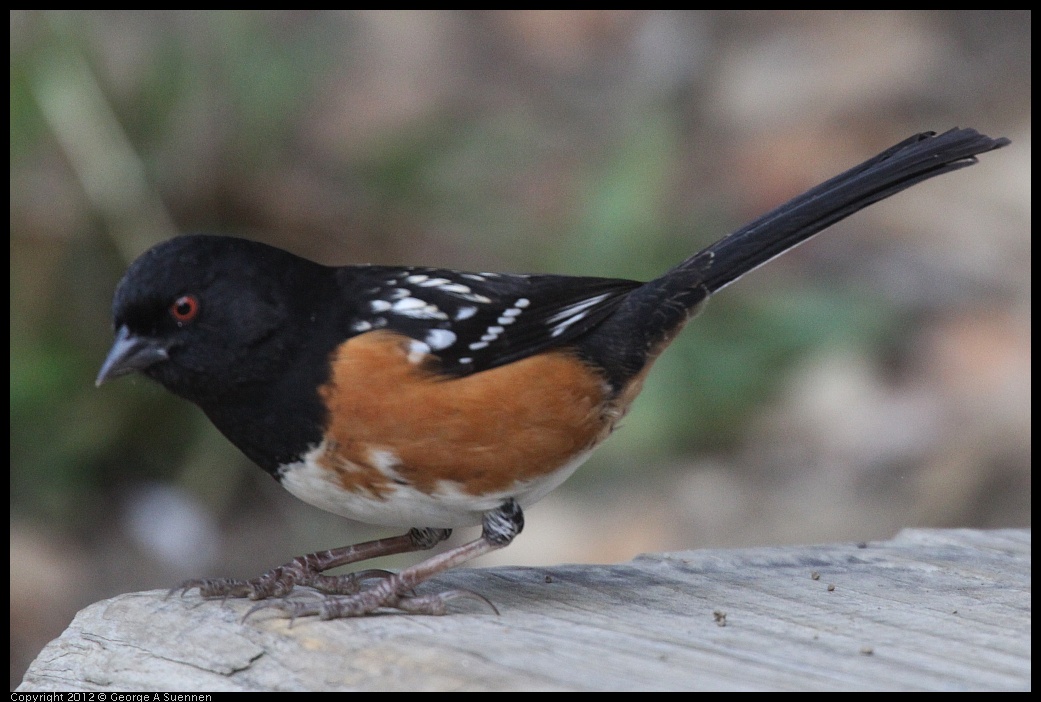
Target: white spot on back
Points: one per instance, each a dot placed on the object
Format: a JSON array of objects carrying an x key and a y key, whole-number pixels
[{"x": 379, "y": 305}]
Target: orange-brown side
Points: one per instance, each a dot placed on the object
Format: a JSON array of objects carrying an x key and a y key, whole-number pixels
[{"x": 483, "y": 432}]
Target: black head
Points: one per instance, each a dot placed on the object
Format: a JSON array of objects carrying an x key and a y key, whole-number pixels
[{"x": 209, "y": 316}]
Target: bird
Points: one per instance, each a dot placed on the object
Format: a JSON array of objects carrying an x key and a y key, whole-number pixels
[{"x": 426, "y": 398}]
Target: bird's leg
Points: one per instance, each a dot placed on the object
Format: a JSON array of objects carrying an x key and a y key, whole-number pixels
[
  {"x": 307, "y": 570},
  {"x": 500, "y": 526}
]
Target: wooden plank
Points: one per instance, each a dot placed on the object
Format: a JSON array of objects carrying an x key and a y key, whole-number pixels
[{"x": 929, "y": 610}]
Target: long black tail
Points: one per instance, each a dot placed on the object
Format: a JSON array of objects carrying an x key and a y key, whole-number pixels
[
  {"x": 910, "y": 162},
  {"x": 657, "y": 309}
]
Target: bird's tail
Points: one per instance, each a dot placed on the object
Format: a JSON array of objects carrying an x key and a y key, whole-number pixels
[
  {"x": 912, "y": 161},
  {"x": 658, "y": 308}
]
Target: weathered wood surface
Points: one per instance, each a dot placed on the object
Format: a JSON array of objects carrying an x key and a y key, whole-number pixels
[{"x": 929, "y": 610}]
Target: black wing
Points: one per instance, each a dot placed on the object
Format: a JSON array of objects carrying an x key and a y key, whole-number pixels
[{"x": 476, "y": 321}]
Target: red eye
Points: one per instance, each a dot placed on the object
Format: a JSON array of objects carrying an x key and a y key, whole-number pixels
[{"x": 184, "y": 309}]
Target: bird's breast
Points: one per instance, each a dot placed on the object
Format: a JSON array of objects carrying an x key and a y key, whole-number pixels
[{"x": 407, "y": 446}]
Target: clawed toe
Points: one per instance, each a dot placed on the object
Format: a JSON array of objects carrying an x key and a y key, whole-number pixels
[
  {"x": 435, "y": 604},
  {"x": 287, "y": 608},
  {"x": 268, "y": 585},
  {"x": 366, "y": 603},
  {"x": 213, "y": 588}
]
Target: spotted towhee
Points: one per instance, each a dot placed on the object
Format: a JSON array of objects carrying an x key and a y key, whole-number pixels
[{"x": 433, "y": 398}]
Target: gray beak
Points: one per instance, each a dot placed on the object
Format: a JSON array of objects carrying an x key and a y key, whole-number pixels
[{"x": 130, "y": 353}]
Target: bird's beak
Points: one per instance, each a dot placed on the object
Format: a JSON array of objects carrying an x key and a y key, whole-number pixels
[{"x": 130, "y": 353}]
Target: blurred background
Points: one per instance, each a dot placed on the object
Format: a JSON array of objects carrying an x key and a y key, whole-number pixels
[{"x": 874, "y": 379}]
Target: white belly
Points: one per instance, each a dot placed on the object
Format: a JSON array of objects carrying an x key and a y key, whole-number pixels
[{"x": 403, "y": 505}]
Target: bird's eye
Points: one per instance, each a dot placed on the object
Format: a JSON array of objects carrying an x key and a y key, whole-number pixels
[{"x": 184, "y": 309}]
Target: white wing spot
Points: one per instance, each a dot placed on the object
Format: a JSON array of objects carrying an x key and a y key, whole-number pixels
[
  {"x": 362, "y": 325},
  {"x": 576, "y": 308},
  {"x": 416, "y": 278},
  {"x": 573, "y": 313},
  {"x": 522, "y": 303},
  {"x": 417, "y": 309},
  {"x": 408, "y": 303},
  {"x": 478, "y": 345},
  {"x": 562, "y": 327},
  {"x": 492, "y": 334},
  {"x": 379, "y": 305},
  {"x": 439, "y": 339},
  {"x": 465, "y": 312}
]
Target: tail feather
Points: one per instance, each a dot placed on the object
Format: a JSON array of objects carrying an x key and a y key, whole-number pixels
[
  {"x": 910, "y": 162},
  {"x": 653, "y": 313}
]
